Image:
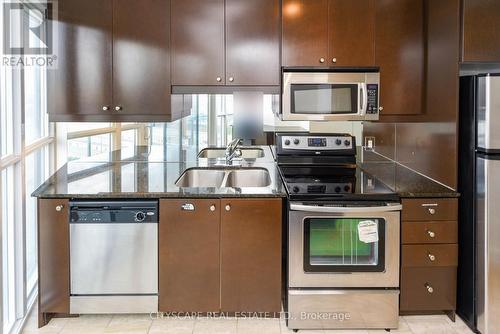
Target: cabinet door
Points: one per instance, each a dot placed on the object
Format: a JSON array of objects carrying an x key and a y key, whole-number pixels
[
  {"x": 399, "y": 52},
  {"x": 82, "y": 83},
  {"x": 251, "y": 255},
  {"x": 305, "y": 32},
  {"x": 189, "y": 255},
  {"x": 351, "y": 32},
  {"x": 481, "y": 30},
  {"x": 252, "y": 42},
  {"x": 197, "y": 42},
  {"x": 53, "y": 258},
  {"x": 141, "y": 63}
]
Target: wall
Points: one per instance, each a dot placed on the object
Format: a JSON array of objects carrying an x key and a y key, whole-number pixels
[{"x": 427, "y": 143}]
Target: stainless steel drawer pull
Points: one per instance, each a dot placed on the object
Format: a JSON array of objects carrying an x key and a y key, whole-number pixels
[
  {"x": 334, "y": 60},
  {"x": 432, "y": 257},
  {"x": 59, "y": 208},
  {"x": 219, "y": 79},
  {"x": 187, "y": 207},
  {"x": 429, "y": 288},
  {"x": 228, "y": 207},
  {"x": 321, "y": 60},
  {"x": 212, "y": 208},
  {"x": 105, "y": 108},
  {"x": 432, "y": 211},
  {"x": 431, "y": 234},
  {"x": 118, "y": 108}
]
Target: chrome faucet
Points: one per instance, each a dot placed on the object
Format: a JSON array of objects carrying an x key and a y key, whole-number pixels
[{"x": 232, "y": 150}]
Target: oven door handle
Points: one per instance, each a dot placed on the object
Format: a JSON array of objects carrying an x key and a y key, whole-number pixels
[{"x": 335, "y": 209}]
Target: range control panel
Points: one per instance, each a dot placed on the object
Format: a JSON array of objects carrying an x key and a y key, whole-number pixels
[{"x": 317, "y": 143}]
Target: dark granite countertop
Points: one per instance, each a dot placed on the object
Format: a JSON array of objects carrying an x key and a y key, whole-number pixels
[
  {"x": 143, "y": 174},
  {"x": 406, "y": 182}
]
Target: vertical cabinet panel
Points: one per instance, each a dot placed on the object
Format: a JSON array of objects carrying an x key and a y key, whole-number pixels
[
  {"x": 399, "y": 52},
  {"x": 481, "y": 31},
  {"x": 82, "y": 82},
  {"x": 351, "y": 32},
  {"x": 197, "y": 42},
  {"x": 305, "y": 32},
  {"x": 252, "y": 42},
  {"x": 53, "y": 257},
  {"x": 251, "y": 255},
  {"x": 141, "y": 62},
  {"x": 189, "y": 255}
]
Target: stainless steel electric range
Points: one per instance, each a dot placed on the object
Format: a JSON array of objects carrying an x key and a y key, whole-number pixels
[{"x": 343, "y": 236}]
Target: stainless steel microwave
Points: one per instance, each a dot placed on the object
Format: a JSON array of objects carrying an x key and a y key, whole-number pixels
[{"x": 330, "y": 95}]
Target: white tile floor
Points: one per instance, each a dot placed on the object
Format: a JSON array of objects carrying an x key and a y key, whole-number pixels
[{"x": 143, "y": 324}]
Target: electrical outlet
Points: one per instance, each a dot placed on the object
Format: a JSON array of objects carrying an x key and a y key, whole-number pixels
[{"x": 370, "y": 143}]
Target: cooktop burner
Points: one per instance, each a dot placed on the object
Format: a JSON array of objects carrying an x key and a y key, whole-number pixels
[
  {"x": 323, "y": 167},
  {"x": 321, "y": 183}
]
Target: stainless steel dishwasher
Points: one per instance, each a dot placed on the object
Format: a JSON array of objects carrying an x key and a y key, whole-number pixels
[{"x": 113, "y": 257}]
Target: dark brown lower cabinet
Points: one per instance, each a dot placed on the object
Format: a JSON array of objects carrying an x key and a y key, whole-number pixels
[
  {"x": 428, "y": 289},
  {"x": 189, "y": 268},
  {"x": 220, "y": 255},
  {"x": 53, "y": 258},
  {"x": 429, "y": 256},
  {"x": 251, "y": 255}
]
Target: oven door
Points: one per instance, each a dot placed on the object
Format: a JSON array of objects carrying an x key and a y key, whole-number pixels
[
  {"x": 327, "y": 96},
  {"x": 344, "y": 246}
]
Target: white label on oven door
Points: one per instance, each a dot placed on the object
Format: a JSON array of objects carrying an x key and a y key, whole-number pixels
[{"x": 368, "y": 231}]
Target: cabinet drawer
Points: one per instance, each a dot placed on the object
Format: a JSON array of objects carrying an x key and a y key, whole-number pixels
[
  {"x": 428, "y": 289},
  {"x": 434, "y": 232},
  {"x": 429, "y": 209},
  {"x": 429, "y": 255}
]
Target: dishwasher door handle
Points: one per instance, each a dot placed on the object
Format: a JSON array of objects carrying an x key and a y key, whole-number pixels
[{"x": 346, "y": 209}]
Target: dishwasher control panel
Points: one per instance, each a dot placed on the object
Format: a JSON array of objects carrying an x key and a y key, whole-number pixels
[{"x": 109, "y": 212}]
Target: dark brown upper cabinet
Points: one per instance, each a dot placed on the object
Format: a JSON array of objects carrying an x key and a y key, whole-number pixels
[
  {"x": 400, "y": 54},
  {"x": 113, "y": 61},
  {"x": 328, "y": 33},
  {"x": 225, "y": 42},
  {"x": 481, "y": 31}
]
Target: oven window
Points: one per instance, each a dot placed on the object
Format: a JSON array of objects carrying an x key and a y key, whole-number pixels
[
  {"x": 324, "y": 98},
  {"x": 344, "y": 245}
]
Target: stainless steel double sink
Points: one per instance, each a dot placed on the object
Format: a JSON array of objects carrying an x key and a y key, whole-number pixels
[
  {"x": 217, "y": 177},
  {"x": 220, "y": 152}
]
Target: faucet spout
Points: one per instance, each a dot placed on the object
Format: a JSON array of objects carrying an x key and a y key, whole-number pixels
[{"x": 232, "y": 150}]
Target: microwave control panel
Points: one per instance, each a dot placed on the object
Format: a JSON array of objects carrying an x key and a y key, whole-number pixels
[{"x": 372, "y": 103}]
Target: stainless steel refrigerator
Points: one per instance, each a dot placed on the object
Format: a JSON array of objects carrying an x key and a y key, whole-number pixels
[{"x": 478, "y": 294}]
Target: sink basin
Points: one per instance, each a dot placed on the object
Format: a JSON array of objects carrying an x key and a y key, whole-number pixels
[
  {"x": 201, "y": 177},
  {"x": 250, "y": 177},
  {"x": 219, "y": 152},
  {"x": 224, "y": 177}
]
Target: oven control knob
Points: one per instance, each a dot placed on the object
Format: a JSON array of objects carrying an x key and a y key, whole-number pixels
[
  {"x": 347, "y": 143},
  {"x": 338, "y": 142},
  {"x": 296, "y": 141},
  {"x": 287, "y": 142},
  {"x": 140, "y": 216},
  {"x": 295, "y": 189},
  {"x": 337, "y": 189}
]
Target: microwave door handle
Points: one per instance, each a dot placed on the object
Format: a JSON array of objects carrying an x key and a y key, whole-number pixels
[
  {"x": 363, "y": 93},
  {"x": 336, "y": 209}
]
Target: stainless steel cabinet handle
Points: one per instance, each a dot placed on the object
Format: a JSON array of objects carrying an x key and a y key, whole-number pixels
[
  {"x": 380, "y": 108},
  {"x": 231, "y": 79},
  {"x": 118, "y": 108},
  {"x": 429, "y": 288},
  {"x": 219, "y": 79},
  {"x": 105, "y": 108},
  {"x": 59, "y": 208},
  {"x": 212, "y": 208},
  {"x": 431, "y": 211},
  {"x": 334, "y": 60},
  {"x": 321, "y": 60},
  {"x": 228, "y": 207},
  {"x": 431, "y": 257},
  {"x": 431, "y": 234}
]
